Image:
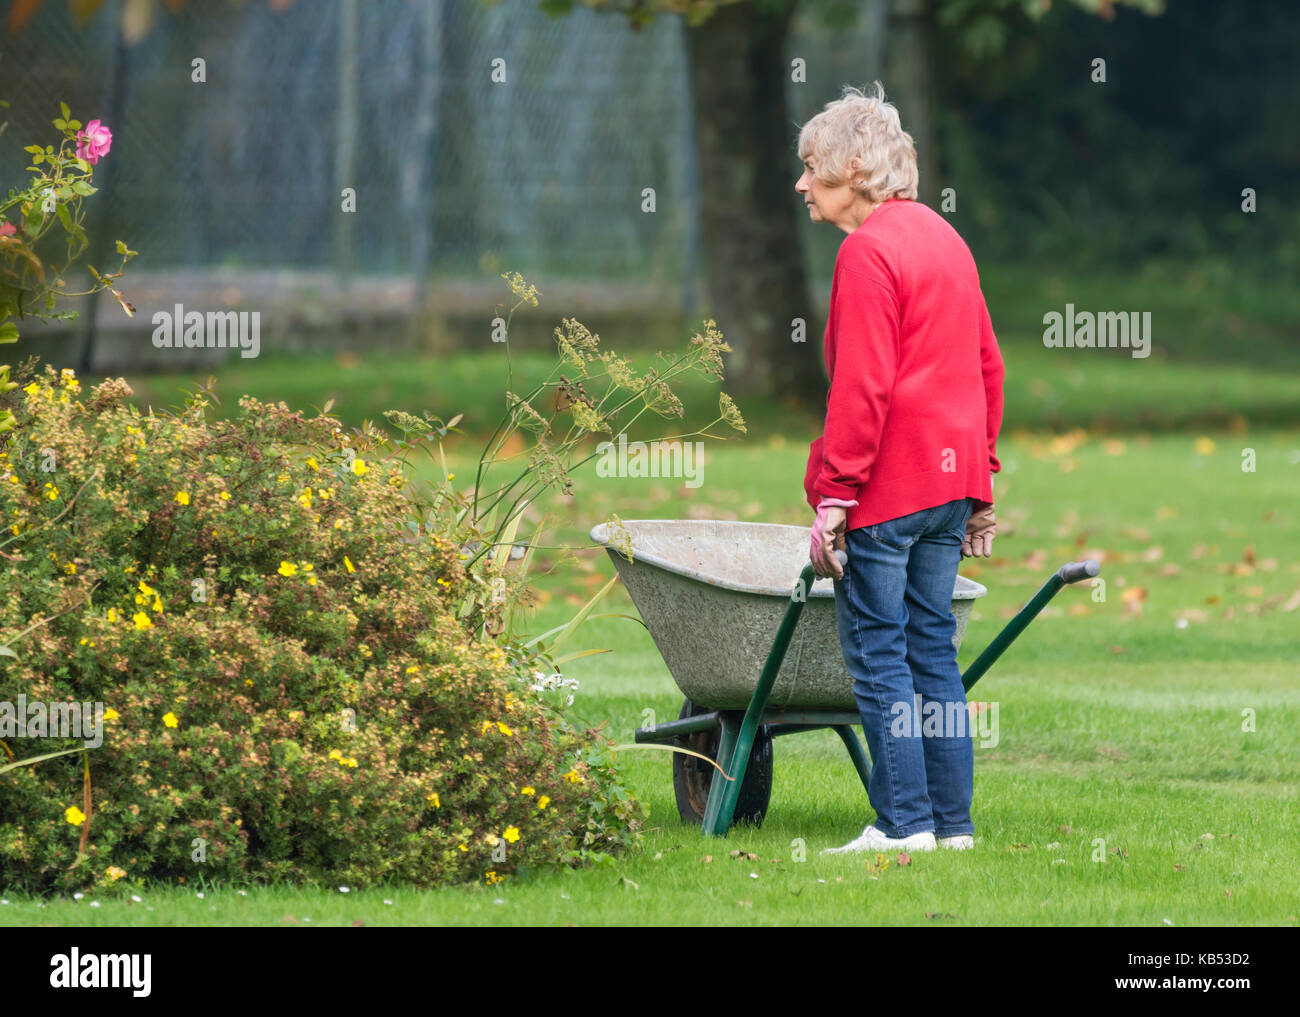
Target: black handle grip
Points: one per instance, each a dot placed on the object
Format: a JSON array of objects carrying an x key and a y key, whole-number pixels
[{"x": 1076, "y": 570}]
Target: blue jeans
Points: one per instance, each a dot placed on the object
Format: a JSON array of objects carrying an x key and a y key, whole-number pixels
[{"x": 893, "y": 610}]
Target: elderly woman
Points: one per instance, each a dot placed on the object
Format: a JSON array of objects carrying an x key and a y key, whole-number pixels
[{"x": 901, "y": 479}]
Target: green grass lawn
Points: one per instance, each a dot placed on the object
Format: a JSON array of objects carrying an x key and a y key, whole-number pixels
[{"x": 1122, "y": 790}]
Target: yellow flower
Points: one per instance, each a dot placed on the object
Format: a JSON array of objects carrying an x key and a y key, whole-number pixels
[
  {"x": 32, "y": 389},
  {"x": 359, "y": 466},
  {"x": 486, "y": 724},
  {"x": 348, "y": 563},
  {"x": 287, "y": 569},
  {"x": 112, "y": 614},
  {"x": 311, "y": 461},
  {"x": 248, "y": 682},
  {"x": 492, "y": 877},
  {"x": 147, "y": 590},
  {"x": 335, "y": 754},
  {"x": 544, "y": 801},
  {"x": 114, "y": 873},
  {"x": 413, "y": 669},
  {"x": 170, "y": 720},
  {"x": 573, "y": 777},
  {"x": 142, "y": 620},
  {"x": 511, "y": 834},
  {"x": 505, "y": 730},
  {"x": 350, "y": 762},
  {"x": 491, "y": 838},
  {"x": 110, "y": 714},
  {"x": 157, "y": 605},
  {"x": 283, "y": 478},
  {"x": 74, "y": 815},
  {"x": 528, "y": 791},
  {"x": 225, "y": 496},
  {"x": 182, "y": 498},
  {"x": 51, "y": 492},
  {"x": 437, "y": 802},
  {"x": 462, "y": 847},
  {"x": 304, "y": 499},
  {"x": 70, "y": 569}
]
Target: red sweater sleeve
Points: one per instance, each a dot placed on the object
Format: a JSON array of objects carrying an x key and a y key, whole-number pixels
[
  {"x": 994, "y": 371},
  {"x": 862, "y": 359}
]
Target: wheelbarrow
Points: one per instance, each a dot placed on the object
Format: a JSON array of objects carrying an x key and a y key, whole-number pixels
[{"x": 712, "y": 593}]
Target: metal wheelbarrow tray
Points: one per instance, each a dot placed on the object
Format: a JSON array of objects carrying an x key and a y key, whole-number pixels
[{"x": 719, "y": 603}]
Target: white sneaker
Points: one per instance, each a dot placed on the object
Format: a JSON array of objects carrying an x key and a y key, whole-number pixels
[
  {"x": 958, "y": 843},
  {"x": 873, "y": 840}
]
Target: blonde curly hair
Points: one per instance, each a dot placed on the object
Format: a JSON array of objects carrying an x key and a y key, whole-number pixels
[{"x": 860, "y": 138}]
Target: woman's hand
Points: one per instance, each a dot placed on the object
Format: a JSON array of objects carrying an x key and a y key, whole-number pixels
[
  {"x": 828, "y": 537},
  {"x": 980, "y": 530}
]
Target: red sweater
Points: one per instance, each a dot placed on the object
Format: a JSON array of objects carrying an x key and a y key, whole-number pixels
[{"x": 915, "y": 401}]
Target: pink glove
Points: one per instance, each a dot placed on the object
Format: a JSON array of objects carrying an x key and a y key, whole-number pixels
[{"x": 827, "y": 533}]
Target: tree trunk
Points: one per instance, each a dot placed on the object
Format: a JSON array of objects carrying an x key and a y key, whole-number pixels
[
  {"x": 748, "y": 205},
  {"x": 908, "y": 82}
]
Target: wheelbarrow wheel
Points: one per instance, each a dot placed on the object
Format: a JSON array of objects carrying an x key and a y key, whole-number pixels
[{"x": 693, "y": 777}]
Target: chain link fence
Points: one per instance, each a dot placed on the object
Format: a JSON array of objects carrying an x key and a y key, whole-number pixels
[{"x": 477, "y": 139}]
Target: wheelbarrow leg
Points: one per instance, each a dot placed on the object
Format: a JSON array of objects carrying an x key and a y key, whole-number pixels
[
  {"x": 857, "y": 753},
  {"x": 733, "y": 754},
  {"x": 734, "y": 768}
]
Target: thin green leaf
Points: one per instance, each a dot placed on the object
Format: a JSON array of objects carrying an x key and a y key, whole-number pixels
[
  {"x": 38, "y": 759},
  {"x": 576, "y": 621}
]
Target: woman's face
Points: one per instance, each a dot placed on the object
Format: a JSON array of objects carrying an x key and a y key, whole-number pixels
[{"x": 840, "y": 205}]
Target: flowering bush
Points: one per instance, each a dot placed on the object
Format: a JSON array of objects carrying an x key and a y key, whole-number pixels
[
  {"x": 296, "y": 685},
  {"x": 32, "y": 259}
]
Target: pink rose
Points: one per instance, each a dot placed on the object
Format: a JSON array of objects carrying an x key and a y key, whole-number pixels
[
  {"x": 7, "y": 229},
  {"x": 93, "y": 142}
]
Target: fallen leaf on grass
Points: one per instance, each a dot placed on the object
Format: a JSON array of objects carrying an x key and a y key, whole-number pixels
[
  {"x": 1063, "y": 829},
  {"x": 904, "y": 858}
]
